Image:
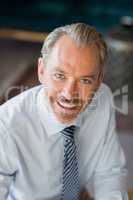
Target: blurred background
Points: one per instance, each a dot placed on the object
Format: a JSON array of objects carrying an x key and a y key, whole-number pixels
[
  {"x": 24, "y": 25},
  {"x": 44, "y": 15}
]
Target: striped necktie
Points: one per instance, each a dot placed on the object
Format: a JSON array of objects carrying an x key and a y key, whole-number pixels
[{"x": 70, "y": 187}]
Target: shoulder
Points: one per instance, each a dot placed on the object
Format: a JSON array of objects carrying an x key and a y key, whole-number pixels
[
  {"x": 105, "y": 91},
  {"x": 16, "y": 110},
  {"x": 101, "y": 105},
  {"x": 96, "y": 119},
  {"x": 104, "y": 97}
]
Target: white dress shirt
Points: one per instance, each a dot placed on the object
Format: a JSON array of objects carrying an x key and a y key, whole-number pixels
[{"x": 31, "y": 149}]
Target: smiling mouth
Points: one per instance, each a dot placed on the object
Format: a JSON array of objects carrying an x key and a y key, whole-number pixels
[{"x": 67, "y": 106}]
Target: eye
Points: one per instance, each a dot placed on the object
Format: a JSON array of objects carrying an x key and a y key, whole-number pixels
[
  {"x": 86, "y": 81},
  {"x": 59, "y": 76}
]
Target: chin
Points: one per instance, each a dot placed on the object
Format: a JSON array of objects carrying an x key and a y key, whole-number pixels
[
  {"x": 65, "y": 120},
  {"x": 65, "y": 117}
]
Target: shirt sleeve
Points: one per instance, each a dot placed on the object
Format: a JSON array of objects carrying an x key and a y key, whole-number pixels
[
  {"x": 7, "y": 163},
  {"x": 110, "y": 176}
]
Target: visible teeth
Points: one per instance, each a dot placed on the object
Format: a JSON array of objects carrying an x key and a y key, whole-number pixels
[{"x": 67, "y": 105}]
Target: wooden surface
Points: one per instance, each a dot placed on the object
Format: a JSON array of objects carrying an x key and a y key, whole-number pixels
[
  {"x": 130, "y": 194},
  {"x": 84, "y": 196},
  {"x": 21, "y": 35}
]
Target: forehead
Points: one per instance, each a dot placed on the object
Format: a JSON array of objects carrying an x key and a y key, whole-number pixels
[{"x": 66, "y": 53}]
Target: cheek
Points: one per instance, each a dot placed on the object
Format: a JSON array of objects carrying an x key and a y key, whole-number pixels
[
  {"x": 49, "y": 83},
  {"x": 53, "y": 89}
]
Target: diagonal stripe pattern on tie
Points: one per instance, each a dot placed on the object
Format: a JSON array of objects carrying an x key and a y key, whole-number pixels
[{"x": 70, "y": 187}]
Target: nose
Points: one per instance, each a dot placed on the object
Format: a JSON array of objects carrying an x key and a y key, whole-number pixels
[{"x": 70, "y": 90}]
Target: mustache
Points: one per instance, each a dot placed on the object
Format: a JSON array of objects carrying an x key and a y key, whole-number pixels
[{"x": 74, "y": 101}]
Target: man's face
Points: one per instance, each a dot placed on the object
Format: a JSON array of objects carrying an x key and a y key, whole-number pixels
[{"x": 71, "y": 76}]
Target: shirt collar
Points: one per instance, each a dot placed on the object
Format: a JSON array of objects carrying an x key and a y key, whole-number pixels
[{"x": 51, "y": 124}]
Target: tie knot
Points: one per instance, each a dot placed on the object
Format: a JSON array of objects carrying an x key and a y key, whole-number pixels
[{"x": 69, "y": 132}]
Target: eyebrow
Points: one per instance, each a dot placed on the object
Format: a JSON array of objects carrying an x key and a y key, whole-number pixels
[
  {"x": 90, "y": 76},
  {"x": 59, "y": 70}
]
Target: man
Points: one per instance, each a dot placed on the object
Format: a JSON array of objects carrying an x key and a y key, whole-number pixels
[{"x": 59, "y": 137}]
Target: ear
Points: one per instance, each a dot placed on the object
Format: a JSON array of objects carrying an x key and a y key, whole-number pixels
[{"x": 41, "y": 70}]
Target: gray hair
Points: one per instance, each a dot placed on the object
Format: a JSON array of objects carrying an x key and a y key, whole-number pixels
[{"x": 82, "y": 34}]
